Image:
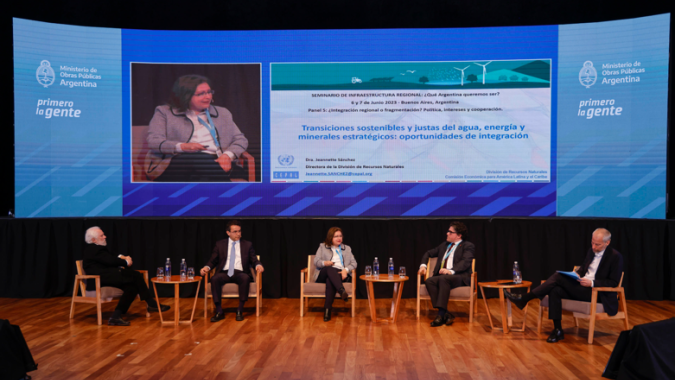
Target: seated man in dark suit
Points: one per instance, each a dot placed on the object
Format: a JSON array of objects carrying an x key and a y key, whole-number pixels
[
  {"x": 114, "y": 271},
  {"x": 601, "y": 268},
  {"x": 233, "y": 259},
  {"x": 453, "y": 269}
]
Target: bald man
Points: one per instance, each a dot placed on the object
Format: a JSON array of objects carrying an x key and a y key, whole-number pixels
[{"x": 601, "y": 268}]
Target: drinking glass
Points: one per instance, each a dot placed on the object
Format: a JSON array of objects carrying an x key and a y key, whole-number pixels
[
  {"x": 160, "y": 272},
  {"x": 369, "y": 271},
  {"x": 191, "y": 273},
  {"x": 401, "y": 271}
]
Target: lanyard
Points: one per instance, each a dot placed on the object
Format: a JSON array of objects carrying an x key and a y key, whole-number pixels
[
  {"x": 448, "y": 252},
  {"x": 340, "y": 254},
  {"x": 210, "y": 127}
]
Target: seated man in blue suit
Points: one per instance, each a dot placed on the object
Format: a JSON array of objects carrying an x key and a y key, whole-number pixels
[{"x": 602, "y": 268}]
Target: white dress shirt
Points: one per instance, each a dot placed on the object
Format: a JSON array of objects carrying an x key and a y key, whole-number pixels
[
  {"x": 590, "y": 273},
  {"x": 237, "y": 255},
  {"x": 337, "y": 263}
]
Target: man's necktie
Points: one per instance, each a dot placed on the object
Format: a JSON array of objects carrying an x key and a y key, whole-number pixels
[
  {"x": 233, "y": 254},
  {"x": 447, "y": 255}
]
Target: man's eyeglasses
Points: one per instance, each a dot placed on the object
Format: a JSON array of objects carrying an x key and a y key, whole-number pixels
[{"x": 451, "y": 232}]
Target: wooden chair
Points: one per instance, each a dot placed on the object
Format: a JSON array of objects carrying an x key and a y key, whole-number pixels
[
  {"x": 99, "y": 296},
  {"x": 310, "y": 289},
  {"x": 461, "y": 294},
  {"x": 232, "y": 290},
  {"x": 593, "y": 311}
]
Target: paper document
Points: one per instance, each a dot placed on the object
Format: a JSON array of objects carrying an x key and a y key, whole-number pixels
[{"x": 572, "y": 274}]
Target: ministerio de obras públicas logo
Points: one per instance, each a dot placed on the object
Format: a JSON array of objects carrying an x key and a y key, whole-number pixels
[{"x": 45, "y": 74}]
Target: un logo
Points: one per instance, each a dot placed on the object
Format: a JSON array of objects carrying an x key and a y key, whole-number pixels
[
  {"x": 588, "y": 75},
  {"x": 45, "y": 74},
  {"x": 285, "y": 159}
]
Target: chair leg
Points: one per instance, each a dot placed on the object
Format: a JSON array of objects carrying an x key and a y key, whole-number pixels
[
  {"x": 72, "y": 303},
  {"x": 471, "y": 310},
  {"x": 98, "y": 309},
  {"x": 625, "y": 311},
  {"x": 539, "y": 318},
  {"x": 302, "y": 302},
  {"x": 591, "y": 329},
  {"x": 576, "y": 322}
]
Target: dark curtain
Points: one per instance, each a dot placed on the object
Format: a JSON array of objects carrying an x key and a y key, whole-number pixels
[{"x": 37, "y": 256}]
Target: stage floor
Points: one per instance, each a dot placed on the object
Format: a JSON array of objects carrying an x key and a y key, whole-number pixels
[{"x": 282, "y": 345}]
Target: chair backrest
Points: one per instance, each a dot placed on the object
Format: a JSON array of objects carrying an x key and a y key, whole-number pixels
[
  {"x": 432, "y": 264},
  {"x": 311, "y": 268},
  {"x": 80, "y": 271}
]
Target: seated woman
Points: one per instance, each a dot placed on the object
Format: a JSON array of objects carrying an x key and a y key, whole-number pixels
[
  {"x": 334, "y": 262},
  {"x": 190, "y": 139}
]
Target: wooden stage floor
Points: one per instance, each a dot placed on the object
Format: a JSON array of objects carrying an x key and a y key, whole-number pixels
[{"x": 282, "y": 345}]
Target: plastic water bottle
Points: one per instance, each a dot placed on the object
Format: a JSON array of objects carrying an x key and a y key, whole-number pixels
[
  {"x": 183, "y": 270},
  {"x": 517, "y": 276},
  {"x": 167, "y": 269},
  {"x": 391, "y": 267},
  {"x": 376, "y": 267}
]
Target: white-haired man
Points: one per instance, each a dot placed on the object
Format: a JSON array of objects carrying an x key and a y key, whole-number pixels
[
  {"x": 601, "y": 268},
  {"x": 114, "y": 271}
]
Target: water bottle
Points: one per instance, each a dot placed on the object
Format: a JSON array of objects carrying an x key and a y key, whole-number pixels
[
  {"x": 391, "y": 267},
  {"x": 167, "y": 269},
  {"x": 376, "y": 267},
  {"x": 183, "y": 270},
  {"x": 516, "y": 273}
]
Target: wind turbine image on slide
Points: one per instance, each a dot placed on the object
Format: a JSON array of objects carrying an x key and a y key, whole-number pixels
[
  {"x": 462, "y": 70},
  {"x": 484, "y": 71}
]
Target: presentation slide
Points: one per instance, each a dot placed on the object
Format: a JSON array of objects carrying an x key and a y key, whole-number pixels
[
  {"x": 353, "y": 122},
  {"x": 532, "y": 121}
]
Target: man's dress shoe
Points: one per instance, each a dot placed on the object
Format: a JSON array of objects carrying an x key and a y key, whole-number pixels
[
  {"x": 556, "y": 335},
  {"x": 239, "y": 316},
  {"x": 220, "y": 315},
  {"x": 439, "y": 321},
  {"x": 117, "y": 322},
  {"x": 344, "y": 295},
  {"x": 449, "y": 319},
  {"x": 516, "y": 299},
  {"x": 164, "y": 308},
  {"x": 326, "y": 315}
]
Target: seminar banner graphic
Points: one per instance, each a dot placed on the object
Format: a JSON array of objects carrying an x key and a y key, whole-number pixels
[{"x": 411, "y": 122}]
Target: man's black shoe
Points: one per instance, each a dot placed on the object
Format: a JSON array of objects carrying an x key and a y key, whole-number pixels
[
  {"x": 326, "y": 315},
  {"x": 516, "y": 299},
  {"x": 344, "y": 294},
  {"x": 117, "y": 322},
  {"x": 219, "y": 316},
  {"x": 164, "y": 308},
  {"x": 556, "y": 335},
  {"x": 449, "y": 319},
  {"x": 439, "y": 321},
  {"x": 239, "y": 316}
]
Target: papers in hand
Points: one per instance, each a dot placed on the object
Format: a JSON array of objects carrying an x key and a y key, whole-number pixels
[{"x": 572, "y": 274}]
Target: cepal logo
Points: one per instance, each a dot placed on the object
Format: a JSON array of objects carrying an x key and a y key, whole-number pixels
[
  {"x": 588, "y": 75},
  {"x": 45, "y": 74},
  {"x": 285, "y": 159}
]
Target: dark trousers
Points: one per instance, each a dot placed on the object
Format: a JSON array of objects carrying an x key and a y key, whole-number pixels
[
  {"x": 221, "y": 278},
  {"x": 558, "y": 287},
  {"x": 133, "y": 284},
  {"x": 194, "y": 167},
  {"x": 439, "y": 288},
  {"x": 333, "y": 280}
]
